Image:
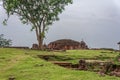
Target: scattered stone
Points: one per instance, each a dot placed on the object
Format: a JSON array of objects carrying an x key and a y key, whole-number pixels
[
  {"x": 101, "y": 73},
  {"x": 116, "y": 73},
  {"x": 11, "y": 78},
  {"x": 82, "y": 65}
]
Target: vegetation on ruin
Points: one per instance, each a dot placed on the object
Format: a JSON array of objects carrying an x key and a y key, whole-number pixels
[{"x": 26, "y": 65}]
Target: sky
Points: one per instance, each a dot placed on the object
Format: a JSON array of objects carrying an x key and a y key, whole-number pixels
[{"x": 97, "y": 22}]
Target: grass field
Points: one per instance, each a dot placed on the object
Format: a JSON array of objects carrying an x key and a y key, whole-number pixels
[{"x": 25, "y": 65}]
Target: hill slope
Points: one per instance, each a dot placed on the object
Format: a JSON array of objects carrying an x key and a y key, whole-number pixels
[{"x": 24, "y": 65}]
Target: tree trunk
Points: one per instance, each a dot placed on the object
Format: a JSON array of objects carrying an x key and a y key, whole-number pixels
[
  {"x": 40, "y": 43},
  {"x": 39, "y": 39}
]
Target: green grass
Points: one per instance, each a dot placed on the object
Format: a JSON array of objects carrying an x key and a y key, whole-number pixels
[
  {"x": 25, "y": 65},
  {"x": 75, "y": 55}
]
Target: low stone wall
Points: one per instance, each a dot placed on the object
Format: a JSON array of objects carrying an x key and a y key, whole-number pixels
[
  {"x": 18, "y": 47},
  {"x": 101, "y": 67}
]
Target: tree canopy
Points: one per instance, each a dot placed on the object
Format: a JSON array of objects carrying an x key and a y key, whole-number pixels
[{"x": 39, "y": 13}]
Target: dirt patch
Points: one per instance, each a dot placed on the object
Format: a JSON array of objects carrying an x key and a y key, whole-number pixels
[
  {"x": 54, "y": 58},
  {"x": 63, "y": 64}
]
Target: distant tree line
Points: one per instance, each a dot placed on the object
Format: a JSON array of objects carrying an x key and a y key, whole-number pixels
[{"x": 4, "y": 42}]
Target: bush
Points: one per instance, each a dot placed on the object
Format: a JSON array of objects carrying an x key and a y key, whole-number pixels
[{"x": 4, "y": 42}]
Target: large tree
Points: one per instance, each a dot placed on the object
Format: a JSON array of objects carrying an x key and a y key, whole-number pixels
[{"x": 39, "y": 13}]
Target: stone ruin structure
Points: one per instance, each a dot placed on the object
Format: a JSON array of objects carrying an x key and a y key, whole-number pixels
[
  {"x": 67, "y": 44},
  {"x": 35, "y": 46}
]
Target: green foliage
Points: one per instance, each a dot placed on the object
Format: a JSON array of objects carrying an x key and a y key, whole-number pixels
[
  {"x": 117, "y": 59},
  {"x": 38, "y": 13},
  {"x": 4, "y": 42}
]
